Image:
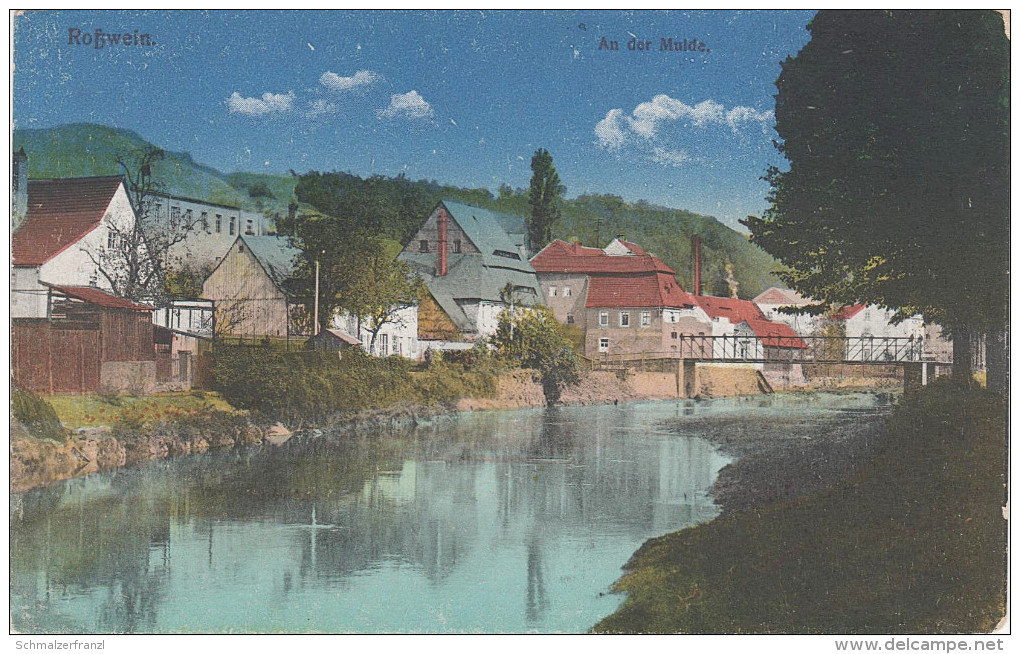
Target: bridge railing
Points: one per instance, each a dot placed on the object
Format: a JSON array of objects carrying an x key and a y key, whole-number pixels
[{"x": 800, "y": 349}]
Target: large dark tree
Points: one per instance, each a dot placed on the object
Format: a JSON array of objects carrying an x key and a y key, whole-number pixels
[
  {"x": 895, "y": 126},
  {"x": 543, "y": 196}
]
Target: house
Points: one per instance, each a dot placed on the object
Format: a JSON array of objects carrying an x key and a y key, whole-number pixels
[
  {"x": 333, "y": 340},
  {"x": 398, "y": 336},
  {"x": 87, "y": 340},
  {"x": 726, "y": 313},
  {"x": 211, "y": 228},
  {"x": 753, "y": 337},
  {"x": 625, "y": 300},
  {"x": 67, "y": 224},
  {"x": 773, "y": 300},
  {"x": 869, "y": 321},
  {"x": 251, "y": 294},
  {"x": 467, "y": 256}
]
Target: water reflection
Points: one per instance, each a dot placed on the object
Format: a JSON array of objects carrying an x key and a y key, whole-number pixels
[{"x": 498, "y": 522}]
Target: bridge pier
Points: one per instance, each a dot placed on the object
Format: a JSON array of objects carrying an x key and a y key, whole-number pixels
[
  {"x": 915, "y": 375},
  {"x": 687, "y": 378}
]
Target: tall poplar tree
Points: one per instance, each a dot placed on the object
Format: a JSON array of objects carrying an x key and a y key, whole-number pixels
[{"x": 543, "y": 196}]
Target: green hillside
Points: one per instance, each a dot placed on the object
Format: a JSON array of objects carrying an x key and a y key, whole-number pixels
[{"x": 83, "y": 149}]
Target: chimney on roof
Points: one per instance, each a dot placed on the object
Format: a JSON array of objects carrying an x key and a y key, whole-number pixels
[
  {"x": 443, "y": 221},
  {"x": 19, "y": 188},
  {"x": 577, "y": 247},
  {"x": 696, "y": 248}
]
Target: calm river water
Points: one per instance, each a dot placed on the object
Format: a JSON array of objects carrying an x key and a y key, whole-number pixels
[{"x": 496, "y": 522}]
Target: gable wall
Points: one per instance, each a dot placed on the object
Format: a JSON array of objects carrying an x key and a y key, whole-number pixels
[{"x": 247, "y": 302}]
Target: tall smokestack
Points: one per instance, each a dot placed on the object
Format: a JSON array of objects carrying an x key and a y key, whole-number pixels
[
  {"x": 442, "y": 219},
  {"x": 696, "y": 247}
]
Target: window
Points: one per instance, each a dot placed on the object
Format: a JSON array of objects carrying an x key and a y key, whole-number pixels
[
  {"x": 175, "y": 217},
  {"x": 240, "y": 247},
  {"x": 646, "y": 318},
  {"x": 603, "y": 318},
  {"x": 219, "y": 221},
  {"x": 672, "y": 335},
  {"x": 552, "y": 291},
  {"x": 507, "y": 255},
  {"x": 624, "y": 319},
  {"x": 205, "y": 221},
  {"x": 603, "y": 345},
  {"x": 384, "y": 344},
  {"x": 570, "y": 319},
  {"x": 233, "y": 226},
  {"x": 187, "y": 219},
  {"x": 566, "y": 291},
  {"x": 423, "y": 246},
  {"x": 111, "y": 240},
  {"x": 456, "y": 246},
  {"x": 250, "y": 228}
]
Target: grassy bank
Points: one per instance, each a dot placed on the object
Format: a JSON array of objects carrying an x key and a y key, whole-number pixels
[
  {"x": 97, "y": 410},
  {"x": 914, "y": 543}
]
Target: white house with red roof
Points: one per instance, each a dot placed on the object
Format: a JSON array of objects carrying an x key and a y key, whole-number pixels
[
  {"x": 872, "y": 320},
  {"x": 774, "y": 300},
  {"x": 735, "y": 317},
  {"x": 66, "y": 219},
  {"x": 625, "y": 300}
]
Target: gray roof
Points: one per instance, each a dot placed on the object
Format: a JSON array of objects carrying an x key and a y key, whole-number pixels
[
  {"x": 478, "y": 277},
  {"x": 493, "y": 231},
  {"x": 277, "y": 256}
]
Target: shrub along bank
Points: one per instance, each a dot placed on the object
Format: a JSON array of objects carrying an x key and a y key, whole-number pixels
[
  {"x": 315, "y": 387},
  {"x": 914, "y": 543}
]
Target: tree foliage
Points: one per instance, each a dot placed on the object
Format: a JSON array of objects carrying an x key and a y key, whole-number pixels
[
  {"x": 895, "y": 127},
  {"x": 543, "y": 196},
  {"x": 531, "y": 337},
  {"x": 358, "y": 270}
]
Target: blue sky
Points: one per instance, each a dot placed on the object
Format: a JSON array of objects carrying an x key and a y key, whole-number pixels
[{"x": 461, "y": 97}]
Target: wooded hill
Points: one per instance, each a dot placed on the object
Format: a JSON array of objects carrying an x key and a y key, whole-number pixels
[{"x": 397, "y": 205}]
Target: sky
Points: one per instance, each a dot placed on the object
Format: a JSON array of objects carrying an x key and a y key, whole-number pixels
[{"x": 464, "y": 98}]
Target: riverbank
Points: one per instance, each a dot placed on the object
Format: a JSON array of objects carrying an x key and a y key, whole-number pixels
[
  {"x": 913, "y": 541},
  {"x": 111, "y": 432}
]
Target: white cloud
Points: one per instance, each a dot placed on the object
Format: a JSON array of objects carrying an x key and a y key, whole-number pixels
[
  {"x": 669, "y": 157},
  {"x": 335, "y": 82},
  {"x": 737, "y": 116},
  {"x": 610, "y": 130},
  {"x": 320, "y": 107},
  {"x": 407, "y": 105},
  {"x": 653, "y": 128},
  {"x": 269, "y": 103}
]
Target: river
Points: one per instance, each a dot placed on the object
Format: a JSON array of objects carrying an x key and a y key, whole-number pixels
[{"x": 494, "y": 522}]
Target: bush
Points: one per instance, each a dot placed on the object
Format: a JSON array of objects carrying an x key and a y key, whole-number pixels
[
  {"x": 312, "y": 386},
  {"x": 36, "y": 415}
]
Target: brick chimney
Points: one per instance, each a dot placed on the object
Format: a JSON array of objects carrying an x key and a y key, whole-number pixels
[
  {"x": 443, "y": 221},
  {"x": 696, "y": 248}
]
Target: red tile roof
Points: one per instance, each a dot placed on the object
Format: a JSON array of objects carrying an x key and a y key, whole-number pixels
[
  {"x": 60, "y": 213},
  {"x": 93, "y": 295},
  {"x": 849, "y": 312},
  {"x": 647, "y": 290},
  {"x": 562, "y": 257},
  {"x": 776, "y": 334},
  {"x": 732, "y": 308}
]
